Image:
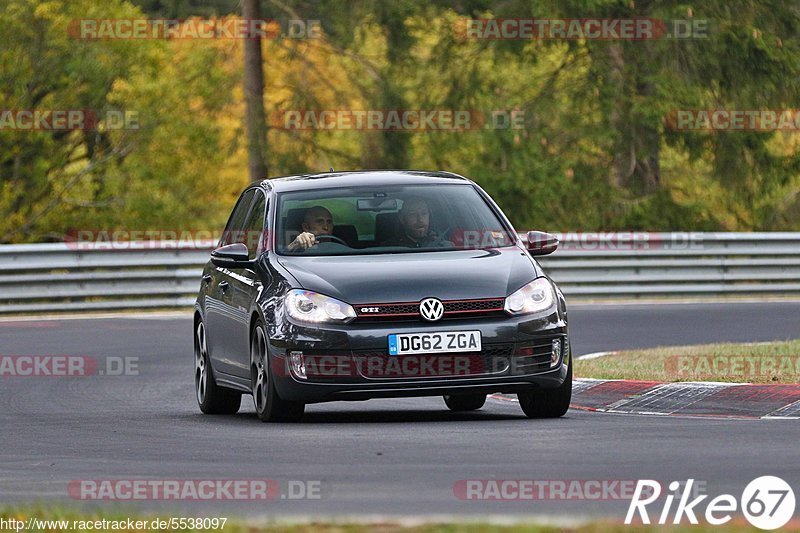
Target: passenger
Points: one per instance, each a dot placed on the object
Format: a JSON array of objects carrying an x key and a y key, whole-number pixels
[{"x": 415, "y": 217}]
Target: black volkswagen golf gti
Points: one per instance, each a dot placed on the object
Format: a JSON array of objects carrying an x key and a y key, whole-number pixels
[{"x": 377, "y": 284}]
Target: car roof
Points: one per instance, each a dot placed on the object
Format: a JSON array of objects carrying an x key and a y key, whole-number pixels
[{"x": 357, "y": 178}]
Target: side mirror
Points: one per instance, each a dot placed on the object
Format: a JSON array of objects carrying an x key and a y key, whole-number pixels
[
  {"x": 541, "y": 243},
  {"x": 232, "y": 256}
]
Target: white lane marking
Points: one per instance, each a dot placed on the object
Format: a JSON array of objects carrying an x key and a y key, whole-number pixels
[
  {"x": 502, "y": 398},
  {"x": 670, "y": 396},
  {"x": 553, "y": 520},
  {"x": 589, "y": 303},
  {"x": 578, "y": 385},
  {"x": 102, "y": 316},
  {"x": 787, "y": 412},
  {"x": 594, "y": 355},
  {"x": 705, "y": 388}
]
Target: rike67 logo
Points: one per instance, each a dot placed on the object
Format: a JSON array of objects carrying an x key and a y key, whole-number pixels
[{"x": 767, "y": 502}]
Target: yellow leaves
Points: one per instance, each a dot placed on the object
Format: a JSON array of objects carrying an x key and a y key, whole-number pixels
[
  {"x": 195, "y": 104},
  {"x": 48, "y": 10},
  {"x": 784, "y": 143},
  {"x": 691, "y": 183}
]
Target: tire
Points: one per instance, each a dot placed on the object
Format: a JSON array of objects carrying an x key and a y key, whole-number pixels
[
  {"x": 269, "y": 406},
  {"x": 465, "y": 402},
  {"x": 211, "y": 398},
  {"x": 548, "y": 403}
]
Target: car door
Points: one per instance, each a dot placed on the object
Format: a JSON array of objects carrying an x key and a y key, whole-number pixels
[
  {"x": 221, "y": 315},
  {"x": 245, "y": 286}
]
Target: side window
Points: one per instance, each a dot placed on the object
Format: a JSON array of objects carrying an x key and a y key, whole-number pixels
[
  {"x": 234, "y": 230},
  {"x": 254, "y": 229}
]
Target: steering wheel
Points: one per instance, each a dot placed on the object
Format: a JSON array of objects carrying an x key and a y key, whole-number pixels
[{"x": 332, "y": 238}]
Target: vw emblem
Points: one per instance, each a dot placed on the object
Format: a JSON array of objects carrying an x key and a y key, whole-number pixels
[{"x": 431, "y": 309}]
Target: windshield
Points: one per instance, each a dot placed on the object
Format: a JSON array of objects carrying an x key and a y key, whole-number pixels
[{"x": 387, "y": 219}]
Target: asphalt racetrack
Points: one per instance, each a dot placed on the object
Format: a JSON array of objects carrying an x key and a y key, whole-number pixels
[{"x": 376, "y": 458}]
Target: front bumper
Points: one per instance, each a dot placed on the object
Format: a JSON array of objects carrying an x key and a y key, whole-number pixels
[{"x": 516, "y": 357}]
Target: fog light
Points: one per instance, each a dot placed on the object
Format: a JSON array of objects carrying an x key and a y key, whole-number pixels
[
  {"x": 527, "y": 351},
  {"x": 298, "y": 364},
  {"x": 555, "y": 354}
]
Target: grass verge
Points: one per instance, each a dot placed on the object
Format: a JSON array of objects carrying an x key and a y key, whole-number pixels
[
  {"x": 72, "y": 520},
  {"x": 774, "y": 362}
]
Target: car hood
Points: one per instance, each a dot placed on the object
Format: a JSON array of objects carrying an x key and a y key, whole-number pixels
[{"x": 409, "y": 277}]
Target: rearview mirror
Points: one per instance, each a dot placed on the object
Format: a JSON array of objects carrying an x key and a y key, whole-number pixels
[
  {"x": 541, "y": 243},
  {"x": 377, "y": 204},
  {"x": 231, "y": 256}
]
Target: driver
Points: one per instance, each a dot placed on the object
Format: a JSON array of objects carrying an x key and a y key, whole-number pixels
[
  {"x": 317, "y": 221},
  {"x": 415, "y": 218}
]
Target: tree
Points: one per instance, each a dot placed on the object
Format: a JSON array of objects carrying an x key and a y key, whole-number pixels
[{"x": 254, "y": 97}]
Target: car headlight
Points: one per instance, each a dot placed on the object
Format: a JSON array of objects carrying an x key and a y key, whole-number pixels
[
  {"x": 538, "y": 295},
  {"x": 308, "y": 306}
]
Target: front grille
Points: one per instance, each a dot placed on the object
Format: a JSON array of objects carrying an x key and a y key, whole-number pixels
[
  {"x": 389, "y": 309},
  {"x": 468, "y": 306},
  {"x": 379, "y": 365},
  {"x": 477, "y": 308},
  {"x": 506, "y": 359}
]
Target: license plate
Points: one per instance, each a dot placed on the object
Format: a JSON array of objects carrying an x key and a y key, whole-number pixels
[{"x": 444, "y": 342}]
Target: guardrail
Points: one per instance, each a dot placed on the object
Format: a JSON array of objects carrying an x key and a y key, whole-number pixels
[{"x": 65, "y": 277}]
